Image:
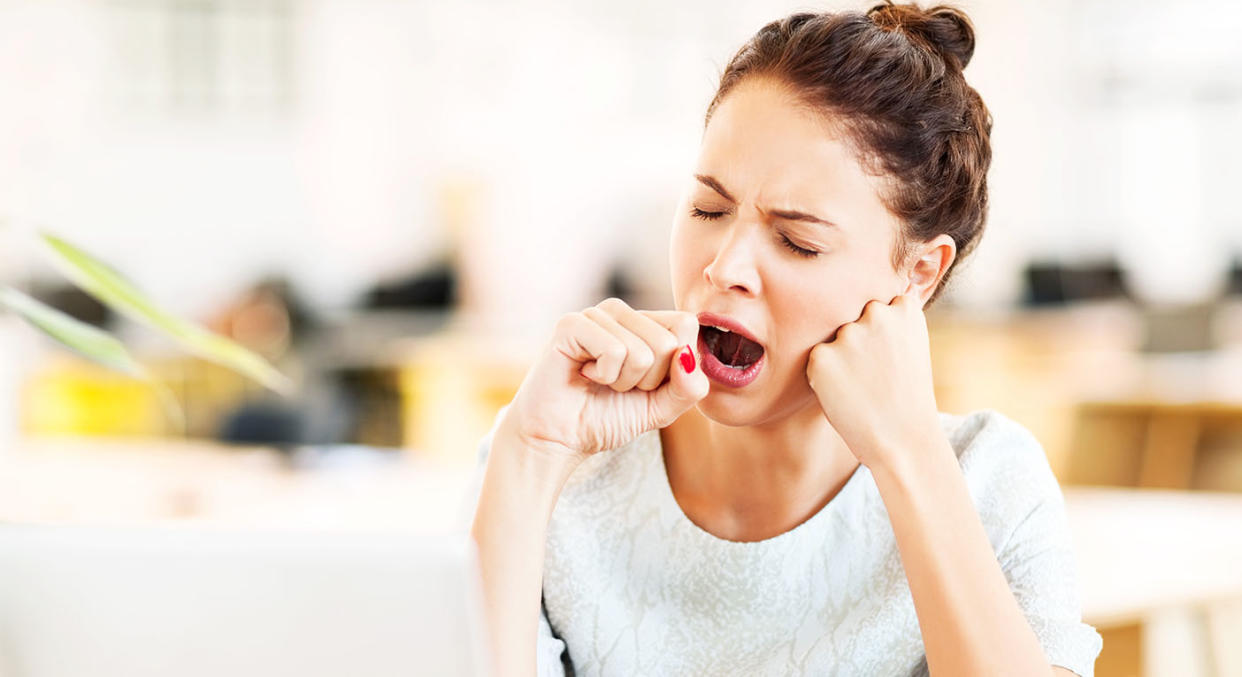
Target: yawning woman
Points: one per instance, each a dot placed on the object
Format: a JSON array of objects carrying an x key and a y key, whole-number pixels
[{"x": 759, "y": 482}]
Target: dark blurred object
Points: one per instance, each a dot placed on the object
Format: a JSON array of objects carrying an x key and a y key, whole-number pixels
[
  {"x": 269, "y": 318},
  {"x": 1176, "y": 329},
  {"x": 1234, "y": 285},
  {"x": 75, "y": 302},
  {"x": 325, "y": 414},
  {"x": 273, "y": 423},
  {"x": 1050, "y": 283},
  {"x": 350, "y": 361},
  {"x": 433, "y": 287},
  {"x": 619, "y": 285},
  {"x": 374, "y": 394}
]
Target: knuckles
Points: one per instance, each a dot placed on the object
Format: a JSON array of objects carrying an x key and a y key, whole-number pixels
[
  {"x": 643, "y": 358},
  {"x": 616, "y": 351},
  {"x": 819, "y": 354},
  {"x": 568, "y": 321},
  {"x": 613, "y": 304},
  {"x": 668, "y": 345},
  {"x": 684, "y": 329},
  {"x": 875, "y": 308}
]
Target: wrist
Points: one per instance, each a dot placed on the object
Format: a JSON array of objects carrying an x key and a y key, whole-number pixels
[
  {"x": 521, "y": 487},
  {"x": 903, "y": 465},
  {"x": 539, "y": 461}
]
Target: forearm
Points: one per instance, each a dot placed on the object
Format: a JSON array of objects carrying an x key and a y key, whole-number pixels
[
  {"x": 970, "y": 621},
  {"x": 520, "y": 488}
]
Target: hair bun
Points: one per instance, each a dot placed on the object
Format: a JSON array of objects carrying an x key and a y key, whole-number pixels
[{"x": 945, "y": 29}]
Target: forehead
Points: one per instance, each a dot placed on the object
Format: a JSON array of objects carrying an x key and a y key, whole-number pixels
[{"x": 763, "y": 145}]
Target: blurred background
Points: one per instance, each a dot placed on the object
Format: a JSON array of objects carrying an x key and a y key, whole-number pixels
[{"x": 394, "y": 200}]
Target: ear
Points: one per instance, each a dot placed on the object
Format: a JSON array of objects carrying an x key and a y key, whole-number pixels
[{"x": 932, "y": 260}]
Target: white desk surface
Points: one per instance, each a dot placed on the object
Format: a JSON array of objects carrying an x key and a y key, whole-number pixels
[
  {"x": 1138, "y": 551},
  {"x": 1144, "y": 550},
  {"x": 139, "y": 482}
]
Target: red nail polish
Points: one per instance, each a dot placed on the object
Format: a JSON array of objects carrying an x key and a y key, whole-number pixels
[{"x": 687, "y": 359}]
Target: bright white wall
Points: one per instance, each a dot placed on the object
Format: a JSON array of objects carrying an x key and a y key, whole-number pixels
[{"x": 581, "y": 121}]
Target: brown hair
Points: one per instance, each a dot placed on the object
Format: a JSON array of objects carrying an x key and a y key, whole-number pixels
[{"x": 892, "y": 79}]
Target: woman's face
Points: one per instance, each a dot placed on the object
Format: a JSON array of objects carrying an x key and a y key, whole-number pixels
[{"x": 771, "y": 178}]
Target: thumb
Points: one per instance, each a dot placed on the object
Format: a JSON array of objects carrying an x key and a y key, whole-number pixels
[{"x": 682, "y": 391}]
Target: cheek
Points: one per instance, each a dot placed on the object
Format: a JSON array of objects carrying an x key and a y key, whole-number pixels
[{"x": 812, "y": 312}]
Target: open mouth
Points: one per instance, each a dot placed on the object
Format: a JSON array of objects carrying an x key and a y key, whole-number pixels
[{"x": 732, "y": 349}]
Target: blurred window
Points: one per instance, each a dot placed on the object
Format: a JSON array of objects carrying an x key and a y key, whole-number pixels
[{"x": 196, "y": 58}]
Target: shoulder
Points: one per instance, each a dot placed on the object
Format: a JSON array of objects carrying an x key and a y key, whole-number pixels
[
  {"x": 1023, "y": 512},
  {"x": 991, "y": 444},
  {"x": 1005, "y": 466},
  {"x": 986, "y": 428}
]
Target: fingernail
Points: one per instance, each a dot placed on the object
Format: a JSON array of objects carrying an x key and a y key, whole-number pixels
[{"x": 687, "y": 359}]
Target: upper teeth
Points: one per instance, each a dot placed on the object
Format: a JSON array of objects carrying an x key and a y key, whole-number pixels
[{"x": 721, "y": 329}]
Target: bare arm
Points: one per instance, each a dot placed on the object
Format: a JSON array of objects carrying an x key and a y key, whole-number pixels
[
  {"x": 609, "y": 374},
  {"x": 521, "y": 484},
  {"x": 970, "y": 621}
]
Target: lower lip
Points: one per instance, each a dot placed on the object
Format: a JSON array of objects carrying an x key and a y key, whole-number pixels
[{"x": 724, "y": 374}]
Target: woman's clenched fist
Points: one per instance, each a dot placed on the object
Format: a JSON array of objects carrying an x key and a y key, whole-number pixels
[{"x": 609, "y": 374}]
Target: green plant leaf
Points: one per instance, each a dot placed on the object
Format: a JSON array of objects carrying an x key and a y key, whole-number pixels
[
  {"x": 86, "y": 340},
  {"x": 107, "y": 285},
  {"x": 90, "y": 342}
]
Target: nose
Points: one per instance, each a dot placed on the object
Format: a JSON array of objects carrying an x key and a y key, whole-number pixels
[{"x": 734, "y": 265}]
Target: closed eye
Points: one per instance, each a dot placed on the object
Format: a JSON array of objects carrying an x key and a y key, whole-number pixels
[
  {"x": 700, "y": 214},
  {"x": 711, "y": 216},
  {"x": 809, "y": 253}
]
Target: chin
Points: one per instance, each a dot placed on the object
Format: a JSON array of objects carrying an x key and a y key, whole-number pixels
[{"x": 730, "y": 408}]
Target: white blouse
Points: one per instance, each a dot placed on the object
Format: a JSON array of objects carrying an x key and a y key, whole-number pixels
[{"x": 632, "y": 587}]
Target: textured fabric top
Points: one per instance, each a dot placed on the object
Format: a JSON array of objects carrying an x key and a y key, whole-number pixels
[{"x": 633, "y": 587}]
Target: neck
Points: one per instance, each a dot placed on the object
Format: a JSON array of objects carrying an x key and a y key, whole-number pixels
[{"x": 770, "y": 477}]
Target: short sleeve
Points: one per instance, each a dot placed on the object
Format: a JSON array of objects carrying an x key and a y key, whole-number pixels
[
  {"x": 1038, "y": 561},
  {"x": 550, "y": 653}
]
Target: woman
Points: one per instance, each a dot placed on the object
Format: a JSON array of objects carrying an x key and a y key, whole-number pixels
[{"x": 760, "y": 482}]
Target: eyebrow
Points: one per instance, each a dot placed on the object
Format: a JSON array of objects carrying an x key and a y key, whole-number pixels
[{"x": 786, "y": 214}]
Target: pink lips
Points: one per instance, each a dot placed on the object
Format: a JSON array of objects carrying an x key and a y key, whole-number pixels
[
  {"x": 719, "y": 371},
  {"x": 726, "y": 322},
  {"x": 723, "y": 373}
]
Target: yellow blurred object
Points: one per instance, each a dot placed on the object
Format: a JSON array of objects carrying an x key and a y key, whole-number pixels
[
  {"x": 452, "y": 385},
  {"x": 207, "y": 391},
  {"x": 72, "y": 396}
]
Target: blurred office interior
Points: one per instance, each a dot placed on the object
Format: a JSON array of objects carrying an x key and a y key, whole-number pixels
[{"x": 394, "y": 200}]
